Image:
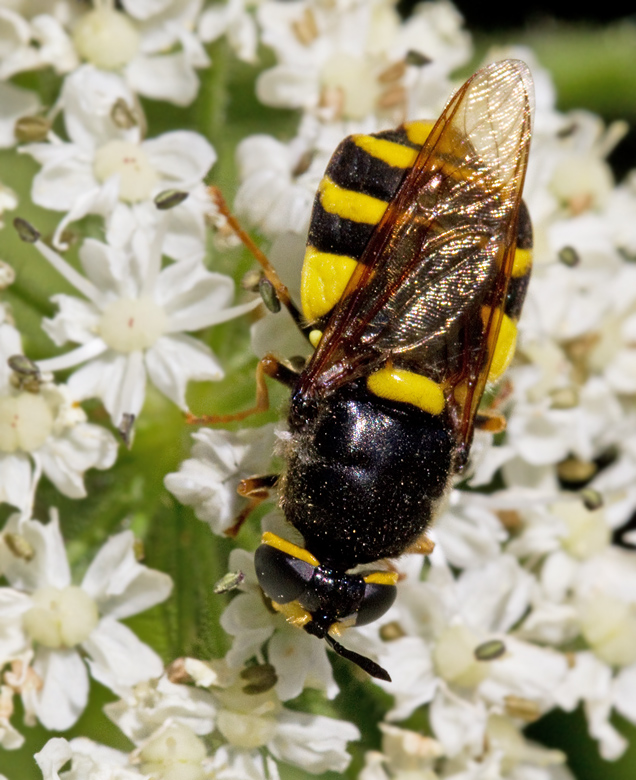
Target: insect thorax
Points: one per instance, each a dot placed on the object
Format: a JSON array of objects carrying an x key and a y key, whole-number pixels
[{"x": 364, "y": 475}]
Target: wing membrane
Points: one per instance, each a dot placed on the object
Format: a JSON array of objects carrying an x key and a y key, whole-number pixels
[{"x": 442, "y": 254}]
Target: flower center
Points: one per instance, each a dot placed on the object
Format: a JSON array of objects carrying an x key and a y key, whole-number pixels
[
  {"x": 352, "y": 79},
  {"x": 248, "y": 732},
  {"x": 61, "y": 617},
  {"x": 137, "y": 177},
  {"x": 582, "y": 182},
  {"x": 609, "y": 627},
  {"x": 128, "y": 325},
  {"x": 247, "y": 721},
  {"x": 587, "y": 531},
  {"x": 106, "y": 38},
  {"x": 175, "y": 752},
  {"x": 454, "y": 657},
  {"x": 26, "y": 420}
]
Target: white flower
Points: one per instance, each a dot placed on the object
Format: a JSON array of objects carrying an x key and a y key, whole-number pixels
[
  {"x": 300, "y": 660},
  {"x": 278, "y": 182},
  {"x": 10, "y": 738},
  {"x": 220, "y": 460},
  {"x": 43, "y": 430},
  {"x": 8, "y": 202},
  {"x": 506, "y": 753},
  {"x": 467, "y": 534},
  {"x": 235, "y": 22},
  {"x": 157, "y": 52},
  {"x": 150, "y": 704},
  {"x": 107, "y": 167},
  {"x": 278, "y": 333},
  {"x": 60, "y": 619},
  {"x": 254, "y": 726},
  {"x": 33, "y": 43},
  {"x": 89, "y": 761},
  {"x": 442, "y": 622},
  {"x": 132, "y": 323},
  {"x": 14, "y": 104},
  {"x": 348, "y": 60},
  {"x": 403, "y": 752}
]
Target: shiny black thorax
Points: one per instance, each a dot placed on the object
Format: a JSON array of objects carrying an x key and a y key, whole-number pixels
[{"x": 364, "y": 474}]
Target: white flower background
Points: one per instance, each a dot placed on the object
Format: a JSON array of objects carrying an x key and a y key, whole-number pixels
[{"x": 121, "y": 311}]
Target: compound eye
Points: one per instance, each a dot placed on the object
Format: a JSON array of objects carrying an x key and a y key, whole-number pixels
[
  {"x": 375, "y": 602},
  {"x": 282, "y": 576}
]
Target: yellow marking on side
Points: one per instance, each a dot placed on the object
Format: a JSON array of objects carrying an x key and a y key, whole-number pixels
[
  {"x": 382, "y": 577},
  {"x": 504, "y": 349},
  {"x": 323, "y": 280},
  {"x": 293, "y": 613},
  {"x": 522, "y": 262},
  {"x": 314, "y": 338},
  {"x": 460, "y": 392},
  {"x": 349, "y": 204},
  {"x": 418, "y": 132},
  {"x": 407, "y": 387},
  {"x": 336, "y": 630},
  {"x": 421, "y": 546},
  {"x": 392, "y": 153},
  {"x": 287, "y": 547}
]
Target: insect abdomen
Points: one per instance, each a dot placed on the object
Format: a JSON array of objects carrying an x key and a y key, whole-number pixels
[
  {"x": 364, "y": 476},
  {"x": 361, "y": 179}
]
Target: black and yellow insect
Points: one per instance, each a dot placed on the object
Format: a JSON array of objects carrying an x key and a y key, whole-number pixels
[{"x": 417, "y": 264}]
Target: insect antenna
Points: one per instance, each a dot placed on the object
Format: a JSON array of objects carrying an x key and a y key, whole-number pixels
[{"x": 369, "y": 666}]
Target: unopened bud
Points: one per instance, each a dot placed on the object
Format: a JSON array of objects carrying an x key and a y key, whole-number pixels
[
  {"x": 123, "y": 115},
  {"x": 30, "y": 129},
  {"x": 26, "y": 231},
  {"x": 259, "y": 679},
  {"x": 268, "y": 294},
  {"x": 490, "y": 650},
  {"x": 168, "y": 199}
]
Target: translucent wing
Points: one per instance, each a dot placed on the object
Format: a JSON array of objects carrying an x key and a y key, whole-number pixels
[{"x": 429, "y": 290}]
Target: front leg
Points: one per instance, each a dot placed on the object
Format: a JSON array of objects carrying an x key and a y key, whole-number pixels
[
  {"x": 256, "y": 489},
  {"x": 268, "y": 366}
]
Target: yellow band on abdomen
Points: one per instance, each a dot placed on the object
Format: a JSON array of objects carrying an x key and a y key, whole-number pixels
[
  {"x": 396, "y": 155},
  {"x": 504, "y": 349},
  {"x": 348, "y": 204},
  {"x": 323, "y": 280},
  {"x": 407, "y": 387}
]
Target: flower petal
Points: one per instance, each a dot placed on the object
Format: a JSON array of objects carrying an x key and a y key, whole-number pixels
[
  {"x": 167, "y": 77},
  {"x": 121, "y": 585},
  {"x": 174, "y": 360},
  {"x": 182, "y": 157},
  {"x": 141, "y": 714},
  {"x": 300, "y": 663},
  {"x": 17, "y": 483},
  {"x": 119, "y": 380},
  {"x": 189, "y": 285},
  {"x": 313, "y": 742},
  {"x": 64, "y": 693},
  {"x": 13, "y": 605},
  {"x": 65, "y": 458},
  {"x": 119, "y": 658},
  {"x": 47, "y": 564},
  {"x": 15, "y": 103},
  {"x": 88, "y": 97},
  {"x": 52, "y": 757}
]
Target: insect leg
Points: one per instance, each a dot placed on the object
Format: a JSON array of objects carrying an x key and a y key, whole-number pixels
[
  {"x": 282, "y": 293},
  {"x": 270, "y": 366},
  {"x": 257, "y": 490},
  {"x": 421, "y": 546},
  {"x": 490, "y": 421}
]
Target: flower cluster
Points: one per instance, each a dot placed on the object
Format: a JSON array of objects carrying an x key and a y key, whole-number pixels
[{"x": 528, "y": 601}]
